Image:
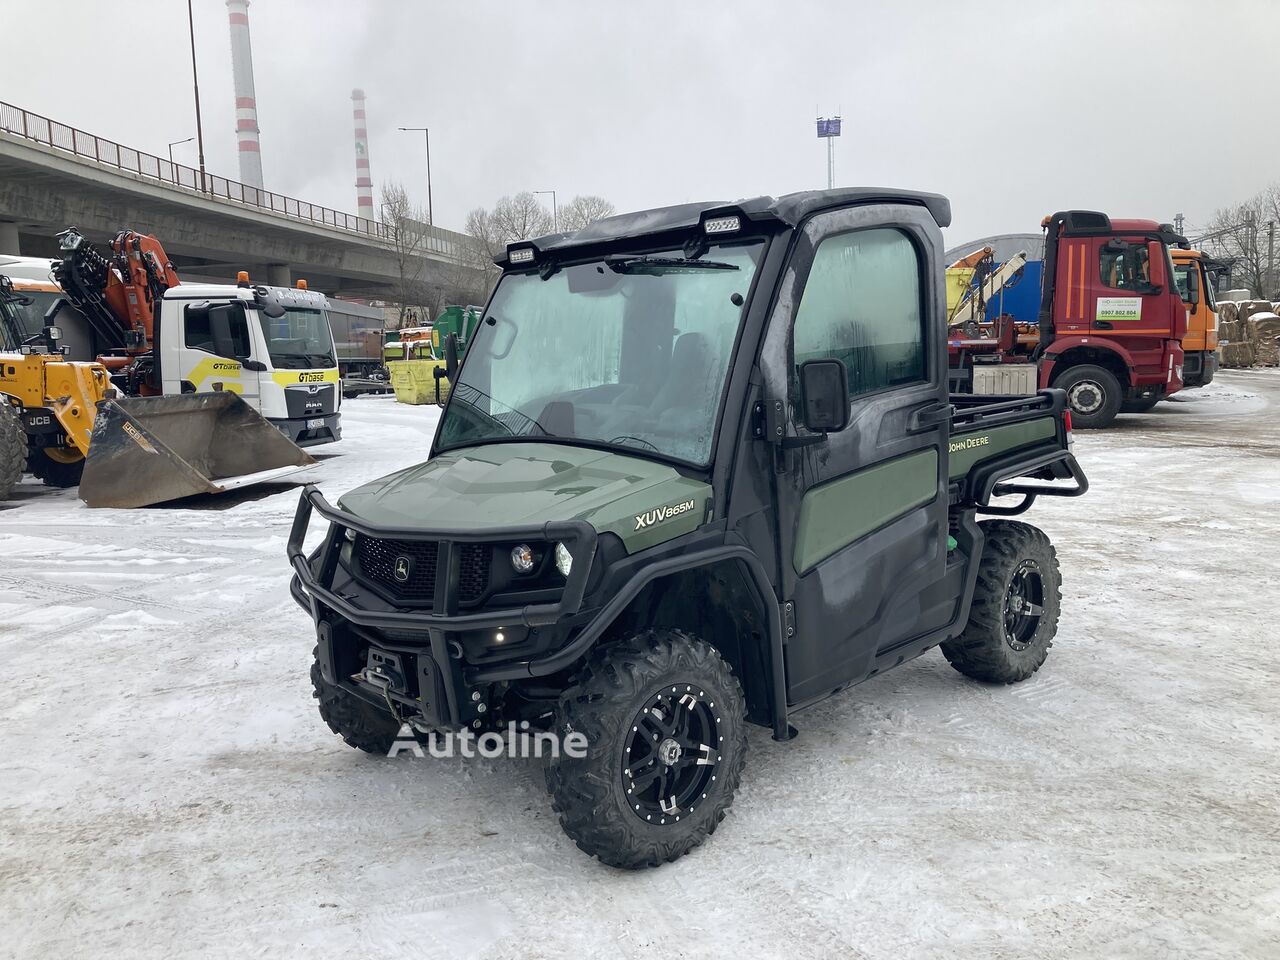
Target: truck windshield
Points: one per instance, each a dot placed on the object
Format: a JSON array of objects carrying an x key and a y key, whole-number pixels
[
  {"x": 631, "y": 352},
  {"x": 300, "y": 339}
]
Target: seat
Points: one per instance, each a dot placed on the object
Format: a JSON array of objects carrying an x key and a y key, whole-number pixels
[{"x": 689, "y": 377}]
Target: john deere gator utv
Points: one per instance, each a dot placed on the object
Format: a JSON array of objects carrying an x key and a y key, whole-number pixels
[{"x": 741, "y": 488}]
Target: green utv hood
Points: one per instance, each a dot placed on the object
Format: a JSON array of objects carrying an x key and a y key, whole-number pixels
[{"x": 643, "y": 502}]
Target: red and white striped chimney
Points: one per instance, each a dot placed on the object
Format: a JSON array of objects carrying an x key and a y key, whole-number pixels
[
  {"x": 364, "y": 186},
  {"x": 246, "y": 102}
]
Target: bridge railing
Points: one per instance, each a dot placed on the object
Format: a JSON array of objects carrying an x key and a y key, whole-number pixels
[{"x": 60, "y": 136}]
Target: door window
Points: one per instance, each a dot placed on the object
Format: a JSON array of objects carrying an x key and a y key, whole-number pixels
[
  {"x": 862, "y": 305},
  {"x": 1125, "y": 266},
  {"x": 221, "y": 330}
]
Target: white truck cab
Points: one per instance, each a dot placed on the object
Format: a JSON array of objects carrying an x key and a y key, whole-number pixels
[{"x": 271, "y": 345}]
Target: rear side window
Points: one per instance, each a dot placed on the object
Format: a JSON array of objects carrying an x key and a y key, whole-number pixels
[{"x": 862, "y": 305}]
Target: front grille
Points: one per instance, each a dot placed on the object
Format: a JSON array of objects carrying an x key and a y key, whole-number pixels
[{"x": 415, "y": 563}]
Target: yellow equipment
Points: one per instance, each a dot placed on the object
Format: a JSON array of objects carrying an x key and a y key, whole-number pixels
[{"x": 49, "y": 403}]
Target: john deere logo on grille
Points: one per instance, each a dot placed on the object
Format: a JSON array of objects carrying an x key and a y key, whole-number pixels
[{"x": 403, "y": 566}]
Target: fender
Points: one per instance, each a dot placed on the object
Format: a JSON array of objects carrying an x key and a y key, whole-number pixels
[
  {"x": 581, "y": 644},
  {"x": 1062, "y": 344}
]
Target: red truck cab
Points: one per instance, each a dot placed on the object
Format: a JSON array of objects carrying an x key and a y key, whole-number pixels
[
  {"x": 1111, "y": 318},
  {"x": 1109, "y": 329}
]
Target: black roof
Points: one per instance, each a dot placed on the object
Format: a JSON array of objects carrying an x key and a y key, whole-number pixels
[{"x": 789, "y": 209}]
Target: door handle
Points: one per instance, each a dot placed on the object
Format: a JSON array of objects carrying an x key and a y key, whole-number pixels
[
  {"x": 1103, "y": 325},
  {"x": 930, "y": 416}
]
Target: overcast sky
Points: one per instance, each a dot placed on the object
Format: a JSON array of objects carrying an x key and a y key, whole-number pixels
[{"x": 1144, "y": 108}]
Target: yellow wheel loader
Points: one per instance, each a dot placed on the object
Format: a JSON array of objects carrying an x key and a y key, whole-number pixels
[{"x": 49, "y": 403}]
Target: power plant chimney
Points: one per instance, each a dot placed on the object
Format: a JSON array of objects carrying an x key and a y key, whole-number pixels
[
  {"x": 246, "y": 102},
  {"x": 364, "y": 186}
]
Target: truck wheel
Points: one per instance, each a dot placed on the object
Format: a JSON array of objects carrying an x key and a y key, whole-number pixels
[
  {"x": 13, "y": 449},
  {"x": 1093, "y": 393},
  {"x": 1014, "y": 614},
  {"x": 57, "y": 468},
  {"x": 359, "y": 724},
  {"x": 1139, "y": 406},
  {"x": 665, "y": 725}
]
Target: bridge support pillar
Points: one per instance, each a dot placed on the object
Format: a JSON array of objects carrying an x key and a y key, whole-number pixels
[
  {"x": 279, "y": 275},
  {"x": 9, "y": 239}
]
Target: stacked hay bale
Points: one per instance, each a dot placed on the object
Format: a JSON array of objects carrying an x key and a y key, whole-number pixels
[
  {"x": 1234, "y": 350},
  {"x": 1264, "y": 333},
  {"x": 1249, "y": 333}
]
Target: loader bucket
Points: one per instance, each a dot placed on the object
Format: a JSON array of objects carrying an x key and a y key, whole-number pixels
[{"x": 148, "y": 450}]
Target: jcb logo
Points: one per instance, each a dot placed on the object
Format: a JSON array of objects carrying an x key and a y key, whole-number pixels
[
  {"x": 317, "y": 377},
  {"x": 650, "y": 517}
]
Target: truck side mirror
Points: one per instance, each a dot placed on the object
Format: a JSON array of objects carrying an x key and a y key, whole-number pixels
[
  {"x": 1193, "y": 286},
  {"x": 451, "y": 356},
  {"x": 824, "y": 395}
]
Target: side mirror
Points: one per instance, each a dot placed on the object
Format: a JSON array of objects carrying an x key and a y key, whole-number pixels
[
  {"x": 451, "y": 356},
  {"x": 824, "y": 395},
  {"x": 1193, "y": 286}
]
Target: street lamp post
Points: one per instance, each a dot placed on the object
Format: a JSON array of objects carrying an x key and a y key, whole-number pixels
[
  {"x": 426, "y": 132},
  {"x": 555, "y": 211},
  {"x": 177, "y": 143},
  {"x": 195, "y": 84}
]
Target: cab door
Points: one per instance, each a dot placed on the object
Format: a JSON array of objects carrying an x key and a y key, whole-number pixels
[
  {"x": 862, "y": 514},
  {"x": 214, "y": 352}
]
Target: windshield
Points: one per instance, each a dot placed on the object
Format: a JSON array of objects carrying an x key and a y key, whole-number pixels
[
  {"x": 627, "y": 351},
  {"x": 298, "y": 340},
  {"x": 31, "y": 316}
]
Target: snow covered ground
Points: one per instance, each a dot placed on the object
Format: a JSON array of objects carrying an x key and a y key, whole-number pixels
[{"x": 168, "y": 789}]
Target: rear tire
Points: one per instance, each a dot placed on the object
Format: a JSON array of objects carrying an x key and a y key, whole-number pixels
[
  {"x": 359, "y": 724},
  {"x": 1138, "y": 406},
  {"x": 665, "y": 724},
  {"x": 1014, "y": 615},
  {"x": 1093, "y": 394},
  {"x": 56, "y": 473},
  {"x": 13, "y": 449}
]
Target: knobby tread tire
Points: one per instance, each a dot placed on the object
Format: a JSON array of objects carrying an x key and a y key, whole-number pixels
[
  {"x": 13, "y": 449},
  {"x": 53, "y": 472},
  {"x": 356, "y": 722},
  {"x": 588, "y": 794},
  {"x": 981, "y": 651}
]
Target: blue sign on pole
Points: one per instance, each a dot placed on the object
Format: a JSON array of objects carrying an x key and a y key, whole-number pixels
[{"x": 828, "y": 126}]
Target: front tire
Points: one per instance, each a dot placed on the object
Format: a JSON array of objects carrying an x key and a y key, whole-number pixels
[
  {"x": 359, "y": 724},
  {"x": 57, "y": 468},
  {"x": 665, "y": 724},
  {"x": 1014, "y": 615},
  {"x": 13, "y": 449},
  {"x": 1093, "y": 393}
]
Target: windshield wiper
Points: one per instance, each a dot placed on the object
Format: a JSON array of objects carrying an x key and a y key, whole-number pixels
[{"x": 660, "y": 265}]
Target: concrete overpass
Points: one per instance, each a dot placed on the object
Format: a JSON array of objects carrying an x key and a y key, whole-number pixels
[{"x": 53, "y": 176}]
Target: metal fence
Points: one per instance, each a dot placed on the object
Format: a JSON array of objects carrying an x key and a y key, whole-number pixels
[{"x": 24, "y": 123}]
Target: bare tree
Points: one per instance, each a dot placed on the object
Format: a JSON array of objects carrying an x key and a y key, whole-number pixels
[
  {"x": 406, "y": 225},
  {"x": 521, "y": 217},
  {"x": 583, "y": 210},
  {"x": 1243, "y": 235}
]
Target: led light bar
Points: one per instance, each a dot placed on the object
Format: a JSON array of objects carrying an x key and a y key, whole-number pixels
[
  {"x": 722, "y": 225},
  {"x": 521, "y": 255}
]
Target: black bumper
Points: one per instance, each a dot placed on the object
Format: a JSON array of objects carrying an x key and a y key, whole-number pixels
[
  {"x": 440, "y": 685},
  {"x": 309, "y": 431}
]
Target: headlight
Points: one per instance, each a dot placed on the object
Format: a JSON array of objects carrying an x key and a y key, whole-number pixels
[
  {"x": 564, "y": 560},
  {"x": 522, "y": 558}
]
